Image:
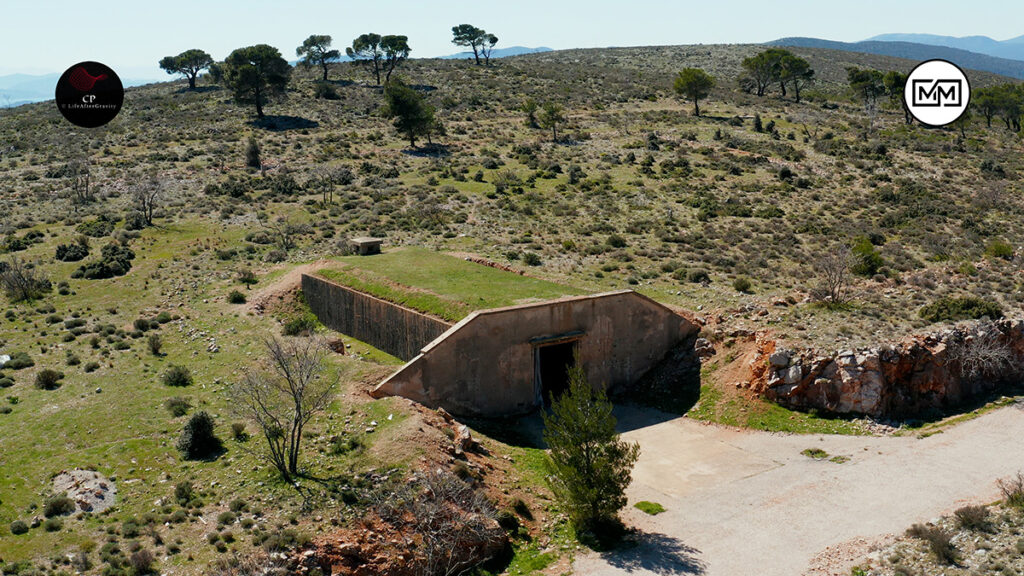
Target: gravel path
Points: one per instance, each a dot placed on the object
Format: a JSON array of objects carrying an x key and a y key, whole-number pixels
[{"x": 742, "y": 502}]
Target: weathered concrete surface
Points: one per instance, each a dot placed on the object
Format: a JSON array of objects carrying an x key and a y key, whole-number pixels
[
  {"x": 742, "y": 502},
  {"x": 484, "y": 365},
  {"x": 395, "y": 329}
]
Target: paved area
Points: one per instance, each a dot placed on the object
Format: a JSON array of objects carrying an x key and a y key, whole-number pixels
[{"x": 743, "y": 502}]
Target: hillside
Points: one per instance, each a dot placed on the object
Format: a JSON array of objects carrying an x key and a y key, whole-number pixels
[
  {"x": 707, "y": 213},
  {"x": 916, "y": 51},
  {"x": 1012, "y": 48}
]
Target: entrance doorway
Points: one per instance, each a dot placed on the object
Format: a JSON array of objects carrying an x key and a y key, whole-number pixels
[{"x": 551, "y": 369}]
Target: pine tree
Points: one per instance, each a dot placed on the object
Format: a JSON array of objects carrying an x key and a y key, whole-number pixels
[{"x": 592, "y": 466}]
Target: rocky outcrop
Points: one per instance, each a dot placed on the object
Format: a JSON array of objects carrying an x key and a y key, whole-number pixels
[{"x": 916, "y": 376}]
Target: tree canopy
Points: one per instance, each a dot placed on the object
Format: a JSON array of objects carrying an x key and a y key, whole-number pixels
[
  {"x": 316, "y": 51},
  {"x": 694, "y": 84},
  {"x": 411, "y": 114},
  {"x": 189, "y": 64},
  {"x": 476, "y": 39},
  {"x": 776, "y": 65},
  {"x": 255, "y": 73},
  {"x": 380, "y": 54}
]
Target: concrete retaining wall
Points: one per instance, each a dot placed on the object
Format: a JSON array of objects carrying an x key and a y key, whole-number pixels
[
  {"x": 397, "y": 330},
  {"x": 484, "y": 365}
]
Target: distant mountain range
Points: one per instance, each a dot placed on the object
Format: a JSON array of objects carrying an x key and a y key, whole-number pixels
[
  {"x": 500, "y": 52},
  {"x": 916, "y": 51},
  {"x": 17, "y": 89},
  {"x": 1012, "y": 48}
]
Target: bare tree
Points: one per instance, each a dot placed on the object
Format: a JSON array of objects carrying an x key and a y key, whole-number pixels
[
  {"x": 146, "y": 194},
  {"x": 324, "y": 179},
  {"x": 21, "y": 281},
  {"x": 833, "y": 277},
  {"x": 283, "y": 231},
  {"x": 79, "y": 173},
  {"x": 983, "y": 354},
  {"x": 282, "y": 399},
  {"x": 448, "y": 525}
]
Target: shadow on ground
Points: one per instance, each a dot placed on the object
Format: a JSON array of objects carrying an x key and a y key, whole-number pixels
[
  {"x": 656, "y": 554},
  {"x": 282, "y": 123}
]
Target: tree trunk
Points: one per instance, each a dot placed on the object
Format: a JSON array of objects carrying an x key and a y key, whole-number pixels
[
  {"x": 782, "y": 85},
  {"x": 696, "y": 108},
  {"x": 476, "y": 54},
  {"x": 192, "y": 82},
  {"x": 796, "y": 91},
  {"x": 554, "y": 133},
  {"x": 376, "y": 70},
  {"x": 324, "y": 63}
]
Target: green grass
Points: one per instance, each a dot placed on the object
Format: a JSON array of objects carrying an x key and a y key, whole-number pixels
[
  {"x": 440, "y": 284},
  {"x": 815, "y": 453},
  {"x": 760, "y": 414},
  {"x": 651, "y": 508}
]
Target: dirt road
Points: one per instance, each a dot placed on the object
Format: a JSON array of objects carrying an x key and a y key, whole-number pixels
[{"x": 744, "y": 503}]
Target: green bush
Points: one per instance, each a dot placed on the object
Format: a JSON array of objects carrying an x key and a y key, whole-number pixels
[
  {"x": 236, "y": 297},
  {"x": 197, "y": 439},
  {"x": 18, "y": 528},
  {"x": 742, "y": 284},
  {"x": 177, "y": 375},
  {"x": 966, "y": 308},
  {"x": 48, "y": 379},
  {"x": 72, "y": 252},
  {"x": 53, "y": 524},
  {"x": 177, "y": 406},
  {"x": 115, "y": 260},
  {"x": 303, "y": 324},
  {"x": 18, "y": 361},
  {"x": 58, "y": 505},
  {"x": 939, "y": 541},
  {"x": 866, "y": 260},
  {"x": 999, "y": 249},
  {"x": 6, "y": 381},
  {"x": 531, "y": 259}
]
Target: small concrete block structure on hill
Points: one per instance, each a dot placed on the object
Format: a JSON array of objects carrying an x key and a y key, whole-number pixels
[
  {"x": 365, "y": 245},
  {"x": 509, "y": 361}
]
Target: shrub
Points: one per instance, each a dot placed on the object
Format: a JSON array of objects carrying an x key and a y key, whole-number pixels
[
  {"x": 91, "y": 367},
  {"x": 616, "y": 241},
  {"x": 1013, "y": 491},
  {"x": 48, "y": 379},
  {"x": 304, "y": 324},
  {"x": 184, "y": 493},
  {"x": 197, "y": 439},
  {"x": 966, "y": 308},
  {"x": 247, "y": 277},
  {"x": 698, "y": 276},
  {"x": 58, "y": 505},
  {"x": 18, "y": 528},
  {"x": 177, "y": 375},
  {"x": 53, "y": 524},
  {"x": 141, "y": 562},
  {"x": 6, "y": 381},
  {"x": 742, "y": 284},
  {"x": 72, "y": 252},
  {"x": 226, "y": 517},
  {"x": 155, "y": 344},
  {"x": 999, "y": 249},
  {"x": 115, "y": 260},
  {"x": 97, "y": 228},
  {"x": 939, "y": 541},
  {"x": 252, "y": 154},
  {"x": 22, "y": 281},
  {"x": 236, "y": 297},
  {"x": 326, "y": 91},
  {"x": 177, "y": 406},
  {"x": 238, "y": 432},
  {"x": 866, "y": 260},
  {"x": 18, "y": 361},
  {"x": 973, "y": 518},
  {"x": 531, "y": 259}
]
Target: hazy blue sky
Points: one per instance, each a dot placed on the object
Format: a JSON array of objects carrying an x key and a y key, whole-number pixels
[{"x": 38, "y": 36}]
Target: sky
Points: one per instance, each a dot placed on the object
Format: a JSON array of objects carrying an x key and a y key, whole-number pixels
[{"x": 45, "y": 36}]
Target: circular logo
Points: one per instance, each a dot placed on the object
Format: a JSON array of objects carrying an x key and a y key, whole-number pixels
[
  {"x": 937, "y": 92},
  {"x": 89, "y": 94}
]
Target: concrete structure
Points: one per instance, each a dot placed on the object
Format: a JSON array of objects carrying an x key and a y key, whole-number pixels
[
  {"x": 510, "y": 360},
  {"x": 395, "y": 329},
  {"x": 365, "y": 246}
]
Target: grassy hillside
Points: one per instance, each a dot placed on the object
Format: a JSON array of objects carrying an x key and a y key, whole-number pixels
[{"x": 639, "y": 194}]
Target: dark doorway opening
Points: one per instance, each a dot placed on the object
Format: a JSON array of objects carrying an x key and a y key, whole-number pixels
[{"x": 552, "y": 363}]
